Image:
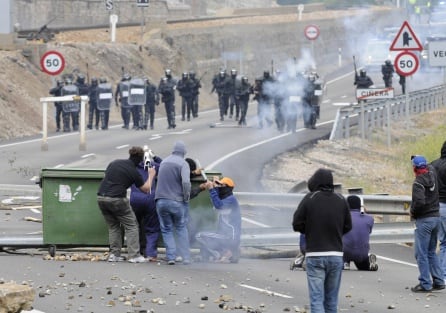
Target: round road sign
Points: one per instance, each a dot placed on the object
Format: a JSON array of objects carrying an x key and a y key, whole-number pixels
[
  {"x": 52, "y": 63},
  {"x": 406, "y": 63},
  {"x": 311, "y": 32}
]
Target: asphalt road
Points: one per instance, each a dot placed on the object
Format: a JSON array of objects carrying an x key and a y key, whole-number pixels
[{"x": 265, "y": 285}]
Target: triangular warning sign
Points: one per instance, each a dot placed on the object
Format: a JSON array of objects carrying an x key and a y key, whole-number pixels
[{"x": 406, "y": 39}]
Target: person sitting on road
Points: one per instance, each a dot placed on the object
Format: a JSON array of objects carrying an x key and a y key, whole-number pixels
[
  {"x": 223, "y": 245},
  {"x": 356, "y": 241}
]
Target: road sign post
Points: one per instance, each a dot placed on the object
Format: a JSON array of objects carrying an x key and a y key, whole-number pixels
[{"x": 311, "y": 32}]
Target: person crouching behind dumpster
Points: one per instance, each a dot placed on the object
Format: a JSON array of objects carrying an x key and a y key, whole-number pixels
[
  {"x": 114, "y": 205},
  {"x": 223, "y": 245},
  {"x": 143, "y": 204},
  {"x": 356, "y": 242}
]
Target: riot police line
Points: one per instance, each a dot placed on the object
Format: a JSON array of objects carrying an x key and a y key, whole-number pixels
[{"x": 291, "y": 96}]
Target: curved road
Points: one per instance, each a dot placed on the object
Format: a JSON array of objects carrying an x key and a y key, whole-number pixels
[{"x": 262, "y": 284}]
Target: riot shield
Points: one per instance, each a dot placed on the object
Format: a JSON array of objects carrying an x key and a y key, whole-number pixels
[
  {"x": 124, "y": 94},
  {"x": 137, "y": 92},
  {"x": 105, "y": 96},
  {"x": 70, "y": 106}
]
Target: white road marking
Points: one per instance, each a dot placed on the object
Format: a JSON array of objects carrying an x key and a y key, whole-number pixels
[
  {"x": 122, "y": 147},
  {"x": 396, "y": 261},
  {"x": 87, "y": 155},
  {"x": 268, "y": 292},
  {"x": 255, "y": 223}
]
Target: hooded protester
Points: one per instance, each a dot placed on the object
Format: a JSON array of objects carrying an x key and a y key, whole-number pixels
[
  {"x": 143, "y": 204},
  {"x": 356, "y": 242},
  {"x": 440, "y": 168},
  {"x": 172, "y": 204},
  {"x": 424, "y": 210},
  {"x": 223, "y": 245},
  {"x": 324, "y": 217}
]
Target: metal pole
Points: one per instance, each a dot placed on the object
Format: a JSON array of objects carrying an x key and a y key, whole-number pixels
[
  {"x": 44, "y": 146},
  {"x": 388, "y": 123},
  {"x": 362, "y": 121},
  {"x": 82, "y": 143},
  {"x": 407, "y": 104}
]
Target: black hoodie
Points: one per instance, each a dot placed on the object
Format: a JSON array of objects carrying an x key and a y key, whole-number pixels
[
  {"x": 425, "y": 195},
  {"x": 323, "y": 216},
  {"x": 440, "y": 169}
]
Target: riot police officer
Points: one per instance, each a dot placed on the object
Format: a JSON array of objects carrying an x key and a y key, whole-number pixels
[
  {"x": 104, "y": 99},
  {"x": 121, "y": 97},
  {"x": 280, "y": 91},
  {"x": 93, "y": 103},
  {"x": 387, "y": 71},
  {"x": 313, "y": 91},
  {"x": 166, "y": 89},
  {"x": 70, "y": 108},
  {"x": 186, "y": 96},
  {"x": 57, "y": 92},
  {"x": 232, "y": 100},
  {"x": 223, "y": 87},
  {"x": 137, "y": 100},
  {"x": 83, "y": 91},
  {"x": 242, "y": 91},
  {"x": 195, "y": 85},
  {"x": 265, "y": 98},
  {"x": 152, "y": 99},
  {"x": 363, "y": 80}
]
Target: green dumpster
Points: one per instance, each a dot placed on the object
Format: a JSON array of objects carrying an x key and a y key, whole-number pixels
[{"x": 71, "y": 216}]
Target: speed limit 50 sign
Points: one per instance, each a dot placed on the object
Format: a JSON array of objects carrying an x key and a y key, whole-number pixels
[
  {"x": 52, "y": 63},
  {"x": 406, "y": 63}
]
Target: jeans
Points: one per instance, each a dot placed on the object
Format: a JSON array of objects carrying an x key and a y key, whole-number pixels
[
  {"x": 117, "y": 212},
  {"x": 426, "y": 234},
  {"x": 172, "y": 215},
  {"x": 442, "y": 238},
  {"x": 324, "y": 279}
]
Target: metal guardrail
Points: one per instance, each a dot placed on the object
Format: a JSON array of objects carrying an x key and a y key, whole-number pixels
[
  {"x": 386, "y": 232},
  {"x": 367, "y": 116}
]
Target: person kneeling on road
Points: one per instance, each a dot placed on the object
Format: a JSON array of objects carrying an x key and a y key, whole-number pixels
[
  {"x": 356, "y": 241},
  {"x": 223, "y": 245}
]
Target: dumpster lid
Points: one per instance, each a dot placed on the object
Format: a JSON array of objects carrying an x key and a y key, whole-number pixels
[{"x": 72, "y": 173}]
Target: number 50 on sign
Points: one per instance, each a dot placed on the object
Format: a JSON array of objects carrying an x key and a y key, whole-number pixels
[
  {"x": 406, "y": 63},
  {"x": 52, "y": 63}
]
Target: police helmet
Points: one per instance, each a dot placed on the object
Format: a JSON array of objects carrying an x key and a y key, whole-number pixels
[
  {"x": 233, "y": 72},
  {"x": 80, "y": 78},
  {"x": 185, "y": 75},
  {"x": 362, "y": 73},
  {"x": 192, "y": 74},
  {"x": 126, "y": 77},
  {"x": 222, "y": 73},
  {"x": 102, "y": 80},
  {"x": 59, "y": 82},
  {"x": 266, "y": 74},
  {"x": 68, "y": 81},
  {"x": 94, "y": 81},
  {"x": 168, "y": 73},
  {"x": 244, "y": 79},
  {"x": 388, "y": 62}
]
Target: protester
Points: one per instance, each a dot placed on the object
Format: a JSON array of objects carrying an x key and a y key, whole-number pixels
[
  {"x": 324, "y": 217},
  {"x": 440, "y": 168},
  {"x": 172, "y": 204},
  {"x": 223, "y": 245},
  {"x": 114, "y": 205},
  {"x": 143, "y": 204},
  {"x": 424, "y": 210},
  {"x": 356, "y": 241}
]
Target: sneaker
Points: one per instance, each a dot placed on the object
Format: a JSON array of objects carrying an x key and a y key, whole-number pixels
[
  {"x": 186, "y": 262},
  {"x": 346, "y": 266},
  {"x": 171, "y": 262},
  {"x": 114, "y": 258},
  {"x": 138, "y": 259},
  {"x": 178, "y": 259},
  {"x": 372, "y": 260},
  {"x": 419, "y": 288},
  {"x": 438, "y": 287}
]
